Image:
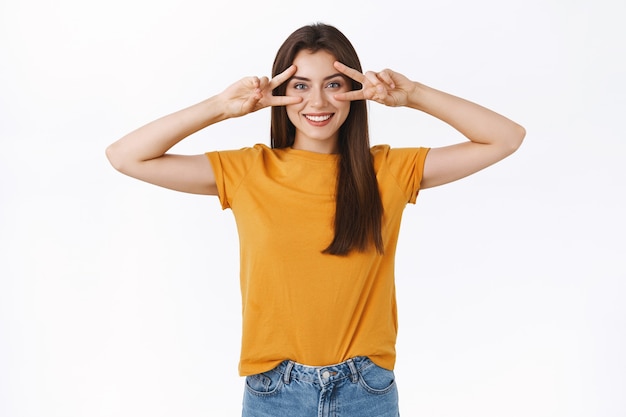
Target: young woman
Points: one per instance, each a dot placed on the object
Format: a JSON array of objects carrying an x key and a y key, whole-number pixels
[{"x": 318, "y": 216}]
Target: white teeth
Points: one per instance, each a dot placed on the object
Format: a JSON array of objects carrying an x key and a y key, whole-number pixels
[{"x": 318, "y": 118}]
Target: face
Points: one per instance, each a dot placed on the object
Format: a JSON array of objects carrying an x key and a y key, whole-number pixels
[{"x": 318, "y": 116}]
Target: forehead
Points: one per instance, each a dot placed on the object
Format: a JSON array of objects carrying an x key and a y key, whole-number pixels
[{"x": 311, "y": 64}]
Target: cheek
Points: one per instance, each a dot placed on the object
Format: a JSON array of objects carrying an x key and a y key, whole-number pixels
[
  {"x": 345, "y": 112},
  {"x": 292, "y": 114},
  {"x": 342, "y": 107}
]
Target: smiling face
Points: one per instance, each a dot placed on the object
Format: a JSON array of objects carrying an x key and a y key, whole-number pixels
[{"x": 319, "y": 116}]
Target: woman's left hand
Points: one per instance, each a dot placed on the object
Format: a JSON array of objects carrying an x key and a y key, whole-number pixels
[{"x": 385, "y": 87}]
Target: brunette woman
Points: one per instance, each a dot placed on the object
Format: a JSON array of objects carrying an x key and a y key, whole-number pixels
[{"x": 318, "y": 215}]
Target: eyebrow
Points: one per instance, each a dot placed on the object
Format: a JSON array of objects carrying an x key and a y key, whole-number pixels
[{"x": 295, "y": 77}]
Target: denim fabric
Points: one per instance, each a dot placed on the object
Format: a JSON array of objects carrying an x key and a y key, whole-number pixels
[{"x": 353, "y": 388}]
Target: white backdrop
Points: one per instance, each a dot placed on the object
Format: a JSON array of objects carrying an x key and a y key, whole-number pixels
[{"x": 121, "y": 299}]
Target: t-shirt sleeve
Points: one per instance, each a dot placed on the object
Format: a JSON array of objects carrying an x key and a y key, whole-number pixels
[
  {"x": 406, "y": 165},
  {"x": 230, "y": 168}
]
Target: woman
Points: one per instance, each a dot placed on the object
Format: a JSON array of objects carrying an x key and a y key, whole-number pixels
[{"x": 318, "y": 216}]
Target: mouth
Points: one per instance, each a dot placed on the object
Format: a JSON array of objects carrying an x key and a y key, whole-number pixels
[{"x": 319, "y": 119}]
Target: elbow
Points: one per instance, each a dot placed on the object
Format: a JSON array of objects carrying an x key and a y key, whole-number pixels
[
  {"x": 520, "y": 134},
  {"x": 114, "y": 156},
  {"x": 516, "y": 138}
]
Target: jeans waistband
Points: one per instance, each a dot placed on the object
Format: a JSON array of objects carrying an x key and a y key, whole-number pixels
[{"x": 323, "y": 374}]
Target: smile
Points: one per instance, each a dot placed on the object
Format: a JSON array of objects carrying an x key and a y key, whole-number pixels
[{"x": 318, "y": 118}]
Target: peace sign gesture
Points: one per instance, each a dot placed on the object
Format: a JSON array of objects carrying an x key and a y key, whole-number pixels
[
  {"x": 253, "y": 93},
  {"x": 385, "y": 87}
]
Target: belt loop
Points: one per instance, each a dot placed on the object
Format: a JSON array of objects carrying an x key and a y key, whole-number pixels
[
  {"x": 354, "y": 373},
  {"x": 287, "y": 374}
]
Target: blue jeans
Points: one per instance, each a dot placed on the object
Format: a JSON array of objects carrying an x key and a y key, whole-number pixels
[{"x": 353, "y": 388}]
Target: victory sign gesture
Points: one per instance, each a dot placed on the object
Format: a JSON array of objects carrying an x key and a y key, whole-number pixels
[
  {"x": 253, "y": 93},
  {"x": 385, "y": 87}
]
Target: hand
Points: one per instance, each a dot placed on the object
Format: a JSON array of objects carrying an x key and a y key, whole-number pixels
[
  {"x": 253, "y": 93},
  {"x": 385, "y": 87}
]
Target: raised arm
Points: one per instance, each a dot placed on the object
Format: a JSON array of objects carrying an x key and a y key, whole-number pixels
[
  {"x": 492, "y": 136},
  {"x": 142, "y": 153}
]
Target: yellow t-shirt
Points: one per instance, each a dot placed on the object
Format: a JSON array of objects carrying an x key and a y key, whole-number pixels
[{"x": 298, "y": 303}]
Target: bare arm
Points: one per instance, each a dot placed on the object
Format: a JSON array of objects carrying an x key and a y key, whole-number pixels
[
  {"x": 492, "y": 136},
  {"x": 142, "y": 153}
]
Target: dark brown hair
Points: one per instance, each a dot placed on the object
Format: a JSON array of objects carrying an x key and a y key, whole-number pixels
[{"x": 358, "y": 210}]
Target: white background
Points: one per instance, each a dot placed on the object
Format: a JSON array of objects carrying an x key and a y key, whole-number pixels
[{"x": 121, "y": 299}]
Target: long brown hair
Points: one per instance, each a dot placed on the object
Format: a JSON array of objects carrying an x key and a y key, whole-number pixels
[{"x": 358, "y": 210}]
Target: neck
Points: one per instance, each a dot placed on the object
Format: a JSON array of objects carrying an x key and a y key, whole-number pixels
[{"x": 326, "y": 146}]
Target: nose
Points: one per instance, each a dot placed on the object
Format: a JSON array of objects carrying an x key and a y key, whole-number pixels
[{"x": 317, "y": 98}]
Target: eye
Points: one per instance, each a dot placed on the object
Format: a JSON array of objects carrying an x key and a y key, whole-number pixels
[
  {"x": 334, "y": 84},
  {"x": 299, "y": 86}
]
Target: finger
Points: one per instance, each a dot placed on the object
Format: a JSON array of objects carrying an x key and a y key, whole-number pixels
[
  {"x": 373, "y": 80},
  {"x": 350, "y": 72},
  {"x": 350, "y": 96},
  {"x": 263, "y": 82},
  {"x": 282, "y": 77},
  {"x": 251, "y": 82},
  {"x": 277, "y": 101},
  {"x": 386, "y": 77},
  {"x": 249, "y": 105}
]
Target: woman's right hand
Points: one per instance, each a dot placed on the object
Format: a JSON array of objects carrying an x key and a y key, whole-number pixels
[
  {"x": 253, "y": 93},
  {"x": 142, "y": 153}
]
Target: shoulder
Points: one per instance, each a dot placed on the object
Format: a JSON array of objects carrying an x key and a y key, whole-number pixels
[
  {"x": 243, "y": 155},
  {"x": 387, "y": 154},
  {"x": 257, "y": 149},
  {"x": 238, "y": 162},
  {"x": 380, "y": 151},
  {"x": 401, "y": 168}
]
